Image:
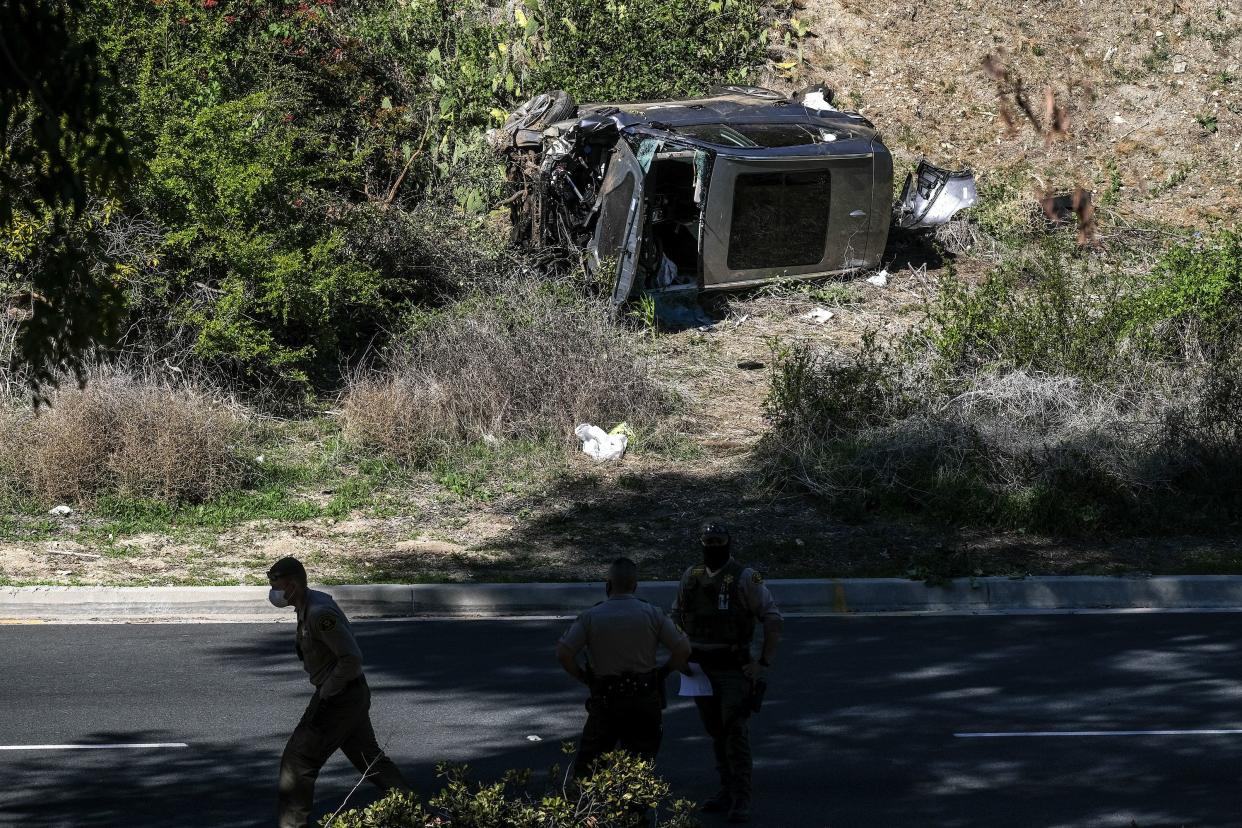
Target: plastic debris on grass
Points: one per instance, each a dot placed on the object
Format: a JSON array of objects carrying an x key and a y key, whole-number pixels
[{"x": 603, "y": 445}]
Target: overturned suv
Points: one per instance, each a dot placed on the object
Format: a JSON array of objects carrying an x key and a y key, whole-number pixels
[{"x": 736, "y": 189}]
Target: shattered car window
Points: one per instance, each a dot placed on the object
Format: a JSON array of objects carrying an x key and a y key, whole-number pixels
[
  {"x": 779, "y": 219},
  {"x": 752, "y": 135}
]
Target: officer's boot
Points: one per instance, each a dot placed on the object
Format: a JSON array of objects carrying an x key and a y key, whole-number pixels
[
  {"x": 739, "y": 786},
  {"x": 719, "y": 803},
  {"x": 740, "y": 812}
]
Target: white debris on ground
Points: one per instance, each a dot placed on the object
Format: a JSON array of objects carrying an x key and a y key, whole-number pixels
[
  {"x": 818, "y": 316},
  {"x": 60, "y": 511},
  {"x": 602, "y": 445},
  {"x": 879, "y": 280}
]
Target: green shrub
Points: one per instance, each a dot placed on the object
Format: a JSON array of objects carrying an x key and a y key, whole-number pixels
[
  {"x": 643, "y": 49},
  {"x": 1042, "y": 311},
  {"x": 621, "y": 794},
  {"x": 1195, "y": 292},
  {"x": 823, "y": 398},
  {"x": 1060, "y": 394}
]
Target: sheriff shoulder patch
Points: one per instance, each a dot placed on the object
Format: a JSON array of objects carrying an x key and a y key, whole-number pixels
[
  {"x": 327, "y": 623},
  {"x": 698, "y": 570},
  {"x": 755, "y": 577}
]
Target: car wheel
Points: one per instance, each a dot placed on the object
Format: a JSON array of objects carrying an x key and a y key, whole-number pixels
[{"x": 542, "y": 111}]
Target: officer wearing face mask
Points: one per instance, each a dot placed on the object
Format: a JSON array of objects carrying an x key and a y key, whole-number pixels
[
  {"x": 621, "y": 637},
  {"x": 719, "y": 604},
  {"x": 338, "y": 716}
]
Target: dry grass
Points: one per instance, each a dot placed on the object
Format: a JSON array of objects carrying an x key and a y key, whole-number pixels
[
  {"x": 125, "y": 433},
  {"x": 518, "y": 361},
  {"x": 1018, "y": 448},
  {"x": 1134, "y": 78}
]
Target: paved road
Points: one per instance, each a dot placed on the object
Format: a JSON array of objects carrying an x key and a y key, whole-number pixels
[{"x": 858, "y": 731}]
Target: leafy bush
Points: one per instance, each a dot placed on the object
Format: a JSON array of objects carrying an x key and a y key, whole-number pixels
[
  {"x": 822, "y": 398},
  {"x": 287, "y": 153},
  {"x": 1059, "y": 394},
  {"x": 1195, "y": 294},
  {"x": 619, "y": 795},
  {"x": 1040, "y": 311},
  {"x": 1083, "y": 316},
  {"x": 520, "y": 361},
  {"x": 646, "y": 49}
]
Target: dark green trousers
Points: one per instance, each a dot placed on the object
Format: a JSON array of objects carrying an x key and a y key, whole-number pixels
[
  {"x": 726, "y": 717},
  {"x": 343, "y": 723},
  {"x": 635, "y": 725}
]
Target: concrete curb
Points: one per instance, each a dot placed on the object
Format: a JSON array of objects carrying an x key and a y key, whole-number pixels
[{"x": 808, "y": 596}]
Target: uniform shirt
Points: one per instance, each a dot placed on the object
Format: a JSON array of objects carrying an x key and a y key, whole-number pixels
[
  {"x": 621, "y": 635},
  {"x": 326, "y": 644},
  {"x": 753, "y": 591}
]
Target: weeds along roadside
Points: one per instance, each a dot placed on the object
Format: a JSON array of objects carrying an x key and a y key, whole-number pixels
[
  {"x": 1065, "y": 393},
  {"x": 480, "y": 394}
]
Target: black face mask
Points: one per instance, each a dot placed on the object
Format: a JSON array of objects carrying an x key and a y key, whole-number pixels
[{"x": 715, "y": 556}]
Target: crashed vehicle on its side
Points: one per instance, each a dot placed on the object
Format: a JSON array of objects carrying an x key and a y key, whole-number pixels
[{"x": 739, "y": 188}]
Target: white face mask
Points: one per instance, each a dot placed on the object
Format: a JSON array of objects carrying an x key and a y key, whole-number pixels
[{"x": 277, "y": 598}]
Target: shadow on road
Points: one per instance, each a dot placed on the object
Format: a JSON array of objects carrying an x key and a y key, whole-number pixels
[{"x": 858, "y": 729}]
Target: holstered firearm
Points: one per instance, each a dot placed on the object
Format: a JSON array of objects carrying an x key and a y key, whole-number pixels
[{"x": 754, "y": 700}]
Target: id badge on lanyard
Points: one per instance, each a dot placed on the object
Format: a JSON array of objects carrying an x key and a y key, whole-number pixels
[{"x": 722, "y": 600}]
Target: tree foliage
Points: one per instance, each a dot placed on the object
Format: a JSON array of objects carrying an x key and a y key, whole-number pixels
[
  {"x": 59, "y": 145},
  {"x": 302, "y": 165}
]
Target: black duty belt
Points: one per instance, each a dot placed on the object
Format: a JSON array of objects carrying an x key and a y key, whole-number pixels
[
  {"x": 626, "y": 685},
  {"x": 352, "y": 683}
]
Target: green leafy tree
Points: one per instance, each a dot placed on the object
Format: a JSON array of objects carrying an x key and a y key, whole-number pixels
[{"x": 59, "y": 147}]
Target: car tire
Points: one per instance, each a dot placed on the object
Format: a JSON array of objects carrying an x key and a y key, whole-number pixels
[{"x": 541, "y": 111}]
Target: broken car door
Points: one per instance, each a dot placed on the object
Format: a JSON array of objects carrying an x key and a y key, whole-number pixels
[{"x": 618, "y": 230}]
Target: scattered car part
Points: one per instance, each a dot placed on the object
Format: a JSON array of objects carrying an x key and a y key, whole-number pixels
[{"x": 932, "y": 195}]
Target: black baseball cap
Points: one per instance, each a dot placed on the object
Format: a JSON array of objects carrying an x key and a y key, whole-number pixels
[
  {"x": 714, "y": 533},
  {"x": 286, "y": 567}
]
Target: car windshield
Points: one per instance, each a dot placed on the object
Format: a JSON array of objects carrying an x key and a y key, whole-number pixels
[{"x": 752, "y": 135}]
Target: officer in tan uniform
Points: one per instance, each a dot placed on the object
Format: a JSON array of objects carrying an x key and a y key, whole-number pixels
[
  {"x": 338, "y": 716},
  {"x": 719, "y": 604},
  {"x": 621, "y": 636}
]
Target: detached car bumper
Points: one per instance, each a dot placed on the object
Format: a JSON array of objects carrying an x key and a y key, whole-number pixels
[{"x": 932, "y": 195}]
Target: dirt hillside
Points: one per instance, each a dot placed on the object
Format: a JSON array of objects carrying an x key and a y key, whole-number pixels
[{"x": 1153, "y": 92}]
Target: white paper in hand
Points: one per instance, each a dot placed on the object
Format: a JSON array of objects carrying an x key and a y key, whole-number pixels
[{"x": 695, "y": 684}]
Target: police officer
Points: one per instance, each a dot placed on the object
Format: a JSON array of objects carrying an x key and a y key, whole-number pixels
[
  {"x": 718, "y": 604},
  {"x": 620, "y": 636},
  {"x": 338, "y": 714}
]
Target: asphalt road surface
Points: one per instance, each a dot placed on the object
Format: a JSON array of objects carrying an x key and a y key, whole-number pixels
[{"x": 884, "y": 721}]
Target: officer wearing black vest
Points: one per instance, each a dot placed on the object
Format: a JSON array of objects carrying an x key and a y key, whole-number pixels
[
  {"x": 621, "y": 636},
  {"x": 719, "y": 604}
]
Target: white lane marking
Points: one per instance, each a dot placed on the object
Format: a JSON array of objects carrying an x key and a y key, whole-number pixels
[
  {"x": 130, "y": 746},
  {"x": 1061, "y": 733}
]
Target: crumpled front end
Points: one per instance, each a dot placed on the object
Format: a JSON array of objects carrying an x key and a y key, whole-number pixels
[{"x": 932, "y": 196}]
